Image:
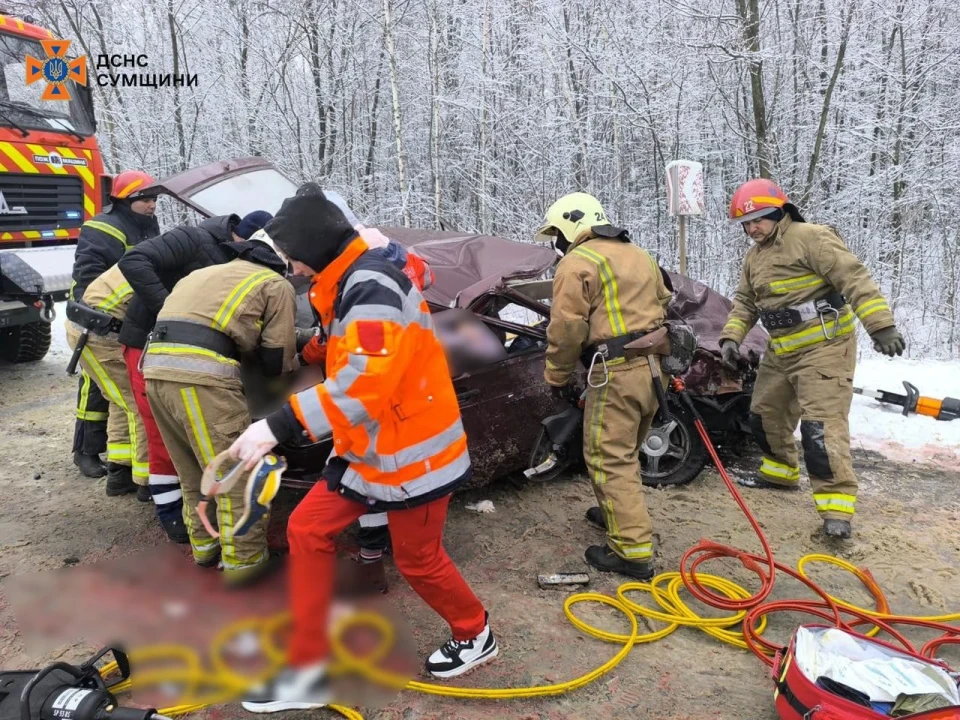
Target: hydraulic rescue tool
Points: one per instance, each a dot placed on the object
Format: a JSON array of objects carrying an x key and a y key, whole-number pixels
[
  {"x": 914, "y": 402},
  {"x": 90, "y": 321},
  {"x": 68, "y": 692}
]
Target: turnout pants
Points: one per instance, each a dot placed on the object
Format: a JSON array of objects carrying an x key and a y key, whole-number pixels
[
  {"x": 90, "y": 430},
  {"x": 617, "y": 418},
  {"x": 164, "y": 483},
  {"x": 197, "y": 423},
  {"x": 417, "y": 551},
  {"x": 814, "y": 386},
  {"x": 102, "y": 360}
]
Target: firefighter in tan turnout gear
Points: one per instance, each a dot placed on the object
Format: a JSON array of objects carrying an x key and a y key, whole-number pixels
[
  {"x": 807, "y": 289},
  {"x": 102, "y": 360},
  {"x": 607, "y": 292},
  {"x": 192, "y": 371}
]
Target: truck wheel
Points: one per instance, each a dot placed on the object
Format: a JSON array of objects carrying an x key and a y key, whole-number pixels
[
  {"x": 25, "y": 343},
  {"x": 684, "y": 457}
]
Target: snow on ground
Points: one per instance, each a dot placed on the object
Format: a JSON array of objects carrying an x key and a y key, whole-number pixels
[
  {"x": 58, "y": 334},
  {"x": 883, "y": 428},
  {"x": 873, "y": 426}
]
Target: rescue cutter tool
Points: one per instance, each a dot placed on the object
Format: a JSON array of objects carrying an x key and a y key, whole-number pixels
[
  {"x": 913, "y": 402},
  {"x": 69, "y": 692},
  {"x": 262, "y": 486}
]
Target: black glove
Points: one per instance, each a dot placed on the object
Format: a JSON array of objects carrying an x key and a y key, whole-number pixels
[
  {"x": 889, "y": 341},
  {"x": 730, "y": 351},
  {"x": 565, "y": 392}
]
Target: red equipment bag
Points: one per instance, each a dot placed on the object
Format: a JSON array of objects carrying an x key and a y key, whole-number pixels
[{"x": 798, "y": 698}]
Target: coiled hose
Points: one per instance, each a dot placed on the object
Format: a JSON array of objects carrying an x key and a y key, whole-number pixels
[{"x": 217, "y": 683}]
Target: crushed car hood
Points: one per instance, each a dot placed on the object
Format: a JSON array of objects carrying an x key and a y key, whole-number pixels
[
  {"x": 706, "y": 311},
  {"x": 467, "y": 266}
]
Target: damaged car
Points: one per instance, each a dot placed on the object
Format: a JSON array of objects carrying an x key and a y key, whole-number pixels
[{"x": 491, "y": 305}]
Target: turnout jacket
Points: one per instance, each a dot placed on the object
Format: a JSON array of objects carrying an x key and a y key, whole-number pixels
[
  {"x": 388, "y": 399},
  {"x": 110, "y": 293},
  {"x": 603, "y": 288},
  {"x": 251, "y": 304},
  {"x": 153, "y": 267},
  {"x": 804, "y": 262},
  {"x": 104, "y": 239}
]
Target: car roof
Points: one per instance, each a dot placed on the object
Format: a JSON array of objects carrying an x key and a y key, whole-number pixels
[{"x": 465, "y": 265}]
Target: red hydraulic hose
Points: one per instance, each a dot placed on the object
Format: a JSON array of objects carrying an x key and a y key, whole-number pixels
[{"x": 766, "y": 567}]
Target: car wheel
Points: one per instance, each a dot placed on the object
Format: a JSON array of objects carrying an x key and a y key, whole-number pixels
[
  {"x": 674, "y": 455},
  {"x": 541, "y": 451},
  {"x": 25, "y": 343}
]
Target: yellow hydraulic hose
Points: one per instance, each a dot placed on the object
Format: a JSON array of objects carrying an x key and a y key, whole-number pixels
[{"x": 219, "y": 683}]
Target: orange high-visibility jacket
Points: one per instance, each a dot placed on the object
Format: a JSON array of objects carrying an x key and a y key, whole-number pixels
[
  {"x": 415, "y": 268},
  {"x": 388, "y": 399}
]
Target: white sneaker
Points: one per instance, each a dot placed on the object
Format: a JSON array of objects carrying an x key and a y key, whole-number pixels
[
  {"x": 456, "y": 657},
  {"x": 292, "y": 689}
]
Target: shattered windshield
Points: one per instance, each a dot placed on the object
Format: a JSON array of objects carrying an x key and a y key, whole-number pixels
[{"x": 21, "y": 104}]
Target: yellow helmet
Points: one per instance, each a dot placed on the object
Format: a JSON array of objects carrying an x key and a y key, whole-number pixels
[{"x": 571, "y": 217}]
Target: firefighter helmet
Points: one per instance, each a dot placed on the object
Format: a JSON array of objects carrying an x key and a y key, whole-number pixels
[
  {"x": 132, "y": 185},
  {"x": 571, "y": 216},
  {"x": 756, "y": 199}
]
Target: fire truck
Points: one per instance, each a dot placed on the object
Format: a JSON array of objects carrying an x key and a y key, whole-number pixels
[{"x": 51, "y": 182}]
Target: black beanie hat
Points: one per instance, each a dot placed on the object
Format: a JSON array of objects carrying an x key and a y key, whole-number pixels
[{"x": 311, "y": 227}]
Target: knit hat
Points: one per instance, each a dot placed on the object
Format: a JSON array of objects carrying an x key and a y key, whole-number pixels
[
  {"x": 252, "y": 222},
  {"x": 312, "y": 227}
]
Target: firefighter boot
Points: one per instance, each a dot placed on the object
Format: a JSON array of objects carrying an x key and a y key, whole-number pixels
[
  {"x": 595, "y": 518},
  {"x": 119, "y": 480},
  {"x": 837, "y": 528},
  {"x": 604, "y": 559},
  {"x": 757, "y": 481},
  {"x": 90, "y": 465},
  {"x": 176, "y": 530}
]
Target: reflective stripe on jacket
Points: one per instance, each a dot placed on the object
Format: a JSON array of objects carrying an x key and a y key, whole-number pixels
[
  {"x": 109, "y": 293},
  {"x": 800, "y": 263},
  {"x": 249, "y": 303},
  {"x": 388, "y": 399},
  {"x": 603, "y": 288}
]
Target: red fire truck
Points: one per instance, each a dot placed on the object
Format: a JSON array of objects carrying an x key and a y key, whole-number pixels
[{"x": 51, "y": 182}]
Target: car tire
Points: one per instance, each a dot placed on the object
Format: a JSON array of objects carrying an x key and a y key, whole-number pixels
[
  {"x": 685, "y": 458},
  {"x": 25, "y": 343}
]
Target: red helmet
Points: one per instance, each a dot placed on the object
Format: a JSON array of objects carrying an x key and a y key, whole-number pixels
[
  {"x": 131, "y": 184},
  {"x": 755, "y": 199}
]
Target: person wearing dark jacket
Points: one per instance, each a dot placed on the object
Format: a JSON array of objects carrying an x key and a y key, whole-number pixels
[
  {"x": 152, "y": 269},
  {"x": 102, "y": 242}
]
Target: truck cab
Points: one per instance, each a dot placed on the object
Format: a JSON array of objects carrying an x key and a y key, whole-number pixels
[{"x": 51, "y": 182}]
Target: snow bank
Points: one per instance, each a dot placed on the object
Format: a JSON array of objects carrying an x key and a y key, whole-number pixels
[{"x": 883, "y": 428}]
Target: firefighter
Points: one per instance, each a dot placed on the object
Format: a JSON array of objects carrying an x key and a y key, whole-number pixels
[
  {"x": 607, "y": 292},
  {"x": 399, "y": 445},
  {"x": 192, "y": 370},
  {"x": 152, "y": 269},
  {"x": 807, "y": 289},
  {"x": 102, "y": 242},
  {"x": 102, "y": 361}
]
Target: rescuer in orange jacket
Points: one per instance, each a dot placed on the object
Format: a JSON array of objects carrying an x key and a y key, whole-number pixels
[
  {"x": 399, "y": 445},
  {"x": 374, "y": 536}
]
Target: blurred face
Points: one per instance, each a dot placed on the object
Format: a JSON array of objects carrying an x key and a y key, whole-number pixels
[
  {"x": 759, "y": 229},
  {"x": 144, "y": 206},
  {"x": 301, "y": 269}
]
